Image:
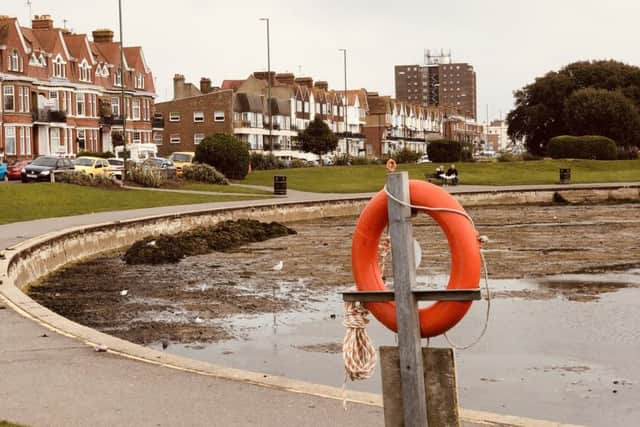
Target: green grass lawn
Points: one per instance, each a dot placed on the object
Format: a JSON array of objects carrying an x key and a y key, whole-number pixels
[
  {"x": 199, "y": 186},
  {"x": 9, "y": 424},
  {"x": 354, "y": 179},
  {"x": 24, "y": 202}
]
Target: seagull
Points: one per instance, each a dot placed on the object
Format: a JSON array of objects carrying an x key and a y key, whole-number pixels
[
  {"x": 152, "y": 243},
  {"x": 124, "y": 292},
  {"x": 101, "y": 348},
  {"x": 199, "y": 320},
  {"x": 278, "y": 266}
]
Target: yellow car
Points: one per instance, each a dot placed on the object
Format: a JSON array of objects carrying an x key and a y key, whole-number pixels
[
  {"x": 93, "y": 166},
  {"x": 181, "y": 159}
]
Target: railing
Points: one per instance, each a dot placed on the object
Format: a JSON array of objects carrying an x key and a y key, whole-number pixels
[
  {"x": 49, "y": 116},
  {"x": 242, "y": 124},
  {"x": 350, "y": 135}
]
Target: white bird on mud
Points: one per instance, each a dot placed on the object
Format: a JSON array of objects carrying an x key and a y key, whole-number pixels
[
  {"x": 199, "y": 320},
  {"x": 278, "y": 266},
  {"x": 152, "y": 243},
  {"x": 124, "y": 292}
]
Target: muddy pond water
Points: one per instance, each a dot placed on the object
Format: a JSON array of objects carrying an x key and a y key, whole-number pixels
[{"x": 563, "y": 341}]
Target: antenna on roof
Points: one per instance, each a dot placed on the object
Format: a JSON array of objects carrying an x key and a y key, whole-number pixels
[{"x": 28, "y": 4}]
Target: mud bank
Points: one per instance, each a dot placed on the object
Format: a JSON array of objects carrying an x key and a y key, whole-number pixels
[{"x": 192, "y": 302}]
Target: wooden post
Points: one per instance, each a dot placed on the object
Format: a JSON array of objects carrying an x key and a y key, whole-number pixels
[{"x": 404, "y": 279}]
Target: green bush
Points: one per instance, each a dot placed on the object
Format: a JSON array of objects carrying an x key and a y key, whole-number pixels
[
  {"x": 444, "y": 151},
  {"x": 106, "y": 155},
  {"x": 203, "y": 173},
  {"x": 226, "y": 153},
  {"x": 146, "y": 174},
  {"x": 261, "y": 162},
  {"x": 582, "y": 147},
  {"x": 81, "y": 178},
  {"x": 530, "y": 157},
  {"x": 406, "y": 156},
  {"x": 360, "y": 160},
  {"x": 508, "y": 157},
  {"x": 299, "y": 163}
]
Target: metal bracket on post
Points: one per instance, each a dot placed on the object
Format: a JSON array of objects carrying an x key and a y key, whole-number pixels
[{"x": 404, "y": 279}]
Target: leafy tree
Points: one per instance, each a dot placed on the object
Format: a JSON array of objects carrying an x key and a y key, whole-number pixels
[
  {"x": 603, "y": 112},
  {"x": 540, "y": 111},
  {"x": 226, "y": 153},
  {"x": 318, "y": 138}
]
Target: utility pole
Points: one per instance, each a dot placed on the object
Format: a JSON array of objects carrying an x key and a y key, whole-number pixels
[
  {"x": 122, "y": 107},
  {"x": 346, "y": 103},
  {"x": 269, "y": 85}
]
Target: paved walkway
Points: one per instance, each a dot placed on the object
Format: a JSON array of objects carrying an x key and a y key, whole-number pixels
[{"x": 50, "y": 380}]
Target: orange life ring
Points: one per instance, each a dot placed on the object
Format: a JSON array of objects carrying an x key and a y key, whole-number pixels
[{"x": 463, "y": 244}]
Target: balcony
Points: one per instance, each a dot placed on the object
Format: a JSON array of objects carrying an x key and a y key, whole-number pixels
[
  {"x": 49, "y": 116},
  {"x": 350, "y": 135},
  {"x": 242, "y": 124}
]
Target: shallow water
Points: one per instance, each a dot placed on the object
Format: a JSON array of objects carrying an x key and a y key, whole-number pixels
[{"x": 546, "y": 354}]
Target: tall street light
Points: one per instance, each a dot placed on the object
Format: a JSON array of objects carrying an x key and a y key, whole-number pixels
[
  {"x": 269, "y": 84},
  {"x": 346, "y": 103},
  {"x": 122, "y": 106}
]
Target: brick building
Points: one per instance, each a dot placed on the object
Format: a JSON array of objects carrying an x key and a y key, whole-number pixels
[{"x": 61, "y": 92}]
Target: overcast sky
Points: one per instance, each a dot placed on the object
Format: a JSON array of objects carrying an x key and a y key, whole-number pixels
[{"x": 509, "y": 42}]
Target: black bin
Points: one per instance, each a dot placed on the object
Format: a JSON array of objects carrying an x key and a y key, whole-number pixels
[
  {"x": 280, "y": 185},
  {"x": 565, "y": 176}
]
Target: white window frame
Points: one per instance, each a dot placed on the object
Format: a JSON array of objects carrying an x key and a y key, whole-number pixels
[
  {"x": 59, "y": 67},
  {"x": 174, "y": 116},
  {"x": 139, "y": 81},
  {"x": 10, "y": 136},
  {"x": 85, "y": 71},
  {"x": 174, "y": 138},
  {"x": 198, "y": 138},
  {"x": 137, "y": 137},
  {"x": 135, "y": 107},
  {"x": 27, "y": 131},
  {"x": 158, "y": 138},
  {"x": 80, "y": 101},
  {"x": 218, "y": 116},
  {"x": 9, "y": 92},
  {"x": 198, "y": 117},
  {"x": 117, "y": 77},
  {"x": 115, "y": 107},
  {"x": 82, "y": 132}
]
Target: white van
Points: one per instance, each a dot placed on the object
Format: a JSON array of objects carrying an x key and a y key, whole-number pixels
[{"x": 138, "y": 152}]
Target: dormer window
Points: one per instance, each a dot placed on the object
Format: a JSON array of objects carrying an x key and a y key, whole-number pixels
[
  {"x": 117, "y": 77},
  {"x": 85, "y": 71},
  {"x": 139, "y": 81},
  {"x": 15, "y": 61},
  {"x": 59, "y": 68}
]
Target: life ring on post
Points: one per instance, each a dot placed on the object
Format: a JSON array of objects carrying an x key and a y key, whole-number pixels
[{"x": 463, "y": 244}]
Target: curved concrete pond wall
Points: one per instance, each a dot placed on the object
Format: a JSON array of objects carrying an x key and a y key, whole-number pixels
[{"x": 32, "y": 260}]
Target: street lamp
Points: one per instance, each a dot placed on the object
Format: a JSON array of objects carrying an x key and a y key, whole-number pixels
[
  {"x": 269, "y": 84},
  {"x": 122, "y": 103},
  {"x": 346, "y": 102}
]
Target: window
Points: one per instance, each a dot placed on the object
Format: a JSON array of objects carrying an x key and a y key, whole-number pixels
[
  {"x": 306, "y": 106},
  {"x": 299, "y": 106},
  {"x": 23, "y": 149},
  {"x": 197, "y": 138},
  {"x": 115, "y": 106},
  {"x": 137, "y": 137},
  {"x": 80, "y": 104},
  {"x": 174, "y": 117},
  {"x": 198, "y": 117},
  {"x": 117, "y": 77},
  {"x": 174, "y": 139},
  {"x": 59, "y": 68},
  {"x": 157, "y": 138},
  {"x": 139, "y": 81},
  {"x": 136, "y": 109},
  {"x": 318, "y": 108},
  {"x": 9, "y": 98},
  {"x": 85, "y": 71},
  {"x": 23, "y": 95},
  {"x": 15, "y": 61},
  {"x": 81, "y": 139},
  {"x": 10, "y": 140},
  {"x": 218, "y": 116},
  {"x": 90, "y": 109},
  {"x": 27, "y": 138}
]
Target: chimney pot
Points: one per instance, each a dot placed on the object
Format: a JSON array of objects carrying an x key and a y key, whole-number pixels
[
  {"x": 42, "y": 22},
  {"x": 102, "y": 36},
  {"x": 205, "y": 85}
]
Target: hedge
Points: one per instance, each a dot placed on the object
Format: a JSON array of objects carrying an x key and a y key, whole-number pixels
[
  {"x": 444, "y": 151},
  {"x": 582, "y": 147},
  {"x": 226, "y": 153}
]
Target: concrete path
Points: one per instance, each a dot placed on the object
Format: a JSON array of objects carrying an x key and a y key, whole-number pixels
[{"x": 50, "y": 380}]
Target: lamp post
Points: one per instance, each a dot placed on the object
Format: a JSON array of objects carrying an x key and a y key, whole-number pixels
[
  {"x": 122, "y": 100},
  {"x": 269, "y": 84},
  {"x": 346, "y": 103}
]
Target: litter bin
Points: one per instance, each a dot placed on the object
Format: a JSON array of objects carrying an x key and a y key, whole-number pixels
[
  {"x": 280, "y": 185},
  {"x": 565, "y": 176}
]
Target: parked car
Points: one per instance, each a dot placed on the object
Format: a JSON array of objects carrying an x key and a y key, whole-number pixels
[
  {"x": 42, "y": 168},
  {"x": 14, "y": 171},
  {"x": 92, "y": 166},
  {"x": 4, "y": 173},
  {"x": 181, "y": 159},
  {"x": 164, "y": 164},
  {"x": 117, "y": 167},
  {"x": 137, "y": 152},
  {"x": 423, "y": 159}
]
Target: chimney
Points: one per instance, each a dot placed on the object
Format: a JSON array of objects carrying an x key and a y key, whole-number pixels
[
  {"x": 285, "y": 78},
  {"x": 42, "y": 22},
  {"x": 321, "y": 84},
  {"x": 178, "y": 86},
  {"x": 205, "y": 85},
  {"x": 304, "y": 81},
  {"x": 264, "y": 75},
  {"x": 103, "y": 36}
]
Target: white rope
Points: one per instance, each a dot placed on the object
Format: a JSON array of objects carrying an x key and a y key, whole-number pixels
[
  {"x": 358, "y": 352},
  {"x": 482, "y": 239}
]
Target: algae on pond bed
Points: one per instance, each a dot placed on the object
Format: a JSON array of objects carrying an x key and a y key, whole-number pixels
[{"x": 226, "y": 235}]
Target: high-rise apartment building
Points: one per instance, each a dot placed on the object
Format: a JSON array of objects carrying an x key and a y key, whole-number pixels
[{"x": 440, "y": 82}]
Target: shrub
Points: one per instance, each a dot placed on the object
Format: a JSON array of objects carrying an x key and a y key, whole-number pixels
[
  {"x": 360, "y": 160},
  {"x": 508, "y": 157},
  {"x": 80, "y": 178},
  {"x": 204, "y": 173},
  {"x": 299, "y": 163},
  {"x": 105, "y": 155},
  {"x": 444, "y": 151},
  {"x": 628, "y": 153},
  {"x": 582, "y": 147},
  {"x": 146, "y": 174},
  {"x": 530, "y": 157},
  {"x": 260, "y": 162},
  {"x": 406, "y": 156},
  {"x": 226, "y": 153}
]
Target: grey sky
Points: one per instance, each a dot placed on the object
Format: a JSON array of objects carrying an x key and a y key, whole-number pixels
[{"x": 509, "y": 42}]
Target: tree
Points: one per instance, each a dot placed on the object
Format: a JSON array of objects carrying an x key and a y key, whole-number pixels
[
  {"x": 603, "y": 112},
  {"x": 540, "y": 108},
  {"x": 226, "y": 153},
  {"x": 318, "y": 138}
]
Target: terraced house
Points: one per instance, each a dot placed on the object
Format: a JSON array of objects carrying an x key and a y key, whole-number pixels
[{"x": 61, "y": 92}]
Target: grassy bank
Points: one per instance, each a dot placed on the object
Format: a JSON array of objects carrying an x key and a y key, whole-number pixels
[
  {"x": 353, "y": 179},
  {"x": 198, "y": 186},
  {"x": 24, "y": 202}
]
